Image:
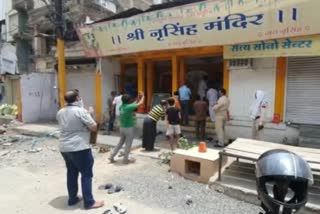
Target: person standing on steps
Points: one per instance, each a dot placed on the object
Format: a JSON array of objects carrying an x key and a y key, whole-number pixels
[
  {"x": 149, "y": 134},
  {"x": 200, "y": 108},
  {"x": 257, "y": 114},
  {"x": 173, "y": 118},
  {"x": 221, "y": 116},
  {"x": 185, "y": 97},
  {"x": 75, "y": 124},
  {"x": 202, "y": 87},
  {"x": 127, "y": 126},
  {"x": 212, "y": 97}
]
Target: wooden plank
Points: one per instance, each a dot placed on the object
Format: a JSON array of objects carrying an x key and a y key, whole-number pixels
[
  {"x": 305, "y": 152},
  {"x": 246, "y": 147},
  {"x": 263, "y": 143}
]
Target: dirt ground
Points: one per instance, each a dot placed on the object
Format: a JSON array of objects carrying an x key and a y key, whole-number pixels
[{"x": 32, "y": 175}]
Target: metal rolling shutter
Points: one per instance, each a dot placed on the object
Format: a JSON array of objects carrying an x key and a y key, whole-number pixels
[{"x": 303, "y": 90}]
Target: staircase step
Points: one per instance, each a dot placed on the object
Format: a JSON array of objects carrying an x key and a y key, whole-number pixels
[
  {"x": 192, "y": 118},
  {"x": 192, "y": 129},
  {"x": 309, "y": 142},
  {"x": 310, "y": 131},
  {"x": 208, "y": 124}
]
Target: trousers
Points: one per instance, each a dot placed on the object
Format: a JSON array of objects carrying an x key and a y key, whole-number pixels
[{"x": 79, "y": 162}]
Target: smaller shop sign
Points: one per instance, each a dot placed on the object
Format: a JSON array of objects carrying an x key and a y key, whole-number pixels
[{"x": 299, "y": 46}]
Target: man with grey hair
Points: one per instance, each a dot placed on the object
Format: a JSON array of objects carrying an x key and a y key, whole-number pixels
[{"x": 75, "y": 124}]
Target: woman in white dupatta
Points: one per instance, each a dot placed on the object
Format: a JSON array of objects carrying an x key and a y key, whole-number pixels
[{"x": 257, "y": 114}]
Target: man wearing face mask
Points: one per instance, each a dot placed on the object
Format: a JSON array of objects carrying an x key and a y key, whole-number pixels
[
  {"x": 75, "y": 126},
  {"x": 221, "y": 117},
  {"x": 80, "y": 101}
]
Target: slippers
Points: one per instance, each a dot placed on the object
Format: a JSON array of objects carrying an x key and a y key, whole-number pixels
[
  {"x": 115, "y": 189},
  {"x": 109, "y": 211},
  {"x": 106, "y": 186},
  {"x": 120, "y": 208}
]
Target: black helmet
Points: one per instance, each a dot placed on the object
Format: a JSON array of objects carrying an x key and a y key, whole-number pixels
[{"x": 283, "y": 179}]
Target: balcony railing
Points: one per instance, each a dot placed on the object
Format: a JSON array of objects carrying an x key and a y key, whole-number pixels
[{"x": 22, "y": 4}]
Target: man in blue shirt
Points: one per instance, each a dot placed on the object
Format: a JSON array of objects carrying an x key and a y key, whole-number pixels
[{"x": 185, "y": 95}]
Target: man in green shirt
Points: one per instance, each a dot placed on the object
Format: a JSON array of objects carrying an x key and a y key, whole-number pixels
[{"x": 127, "y": 124}]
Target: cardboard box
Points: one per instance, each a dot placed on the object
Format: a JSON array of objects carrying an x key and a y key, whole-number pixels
[{"x": 194, "y": 165}]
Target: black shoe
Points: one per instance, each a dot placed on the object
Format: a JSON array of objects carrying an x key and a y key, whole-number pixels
[{"x": 218, "y": 145}]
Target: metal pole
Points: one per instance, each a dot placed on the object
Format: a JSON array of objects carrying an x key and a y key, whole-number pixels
[{"x": 60, "y": 51}]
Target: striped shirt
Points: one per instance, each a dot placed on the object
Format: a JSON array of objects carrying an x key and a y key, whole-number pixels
[{"x": 156, "y": 113}]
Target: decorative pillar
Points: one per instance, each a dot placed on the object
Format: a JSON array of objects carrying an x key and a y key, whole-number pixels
[
  {"x": 150, "y": 83},
  {"x": 98, "y": 95},
  {"x": 182, "y": 71},
  {"x": 226, "y": 76},
  {"x": 141, "y": 81},
  {"x": 175, "y": 73},
  {"x": 280, "y": 89}
]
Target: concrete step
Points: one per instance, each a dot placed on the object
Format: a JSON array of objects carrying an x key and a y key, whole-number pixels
[
  {"x": 192, "y": 129},
  {"x": 309, "y": 131},
  {"x": 192, "y": 118},
  {"x": 238, "y": 181},
  {"x": 310, "y": 142},
  {"x": 208, "y": 124}
]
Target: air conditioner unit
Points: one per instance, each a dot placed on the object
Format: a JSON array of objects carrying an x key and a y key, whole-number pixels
[{"x": 237, "y": 64}]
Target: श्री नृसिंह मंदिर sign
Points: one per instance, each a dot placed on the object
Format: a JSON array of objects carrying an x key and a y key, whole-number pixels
[{"x": 202, "y": 24}]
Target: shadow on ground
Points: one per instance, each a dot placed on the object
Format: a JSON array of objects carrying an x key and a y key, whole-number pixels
[{"x": 60, "y": 203}]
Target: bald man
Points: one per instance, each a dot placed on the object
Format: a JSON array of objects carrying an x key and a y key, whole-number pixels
[{"x": 75, "y": 124}]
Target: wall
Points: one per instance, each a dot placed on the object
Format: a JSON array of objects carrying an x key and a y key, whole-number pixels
[
  {"x": 83, "y": 80},
  {"x": 244, "y": 83},
  {"x": 39, "y": 97},
  {"x": 110, "y": 67}
]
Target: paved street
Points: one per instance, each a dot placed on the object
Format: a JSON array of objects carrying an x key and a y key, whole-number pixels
[{"x": 34, "y": 183}]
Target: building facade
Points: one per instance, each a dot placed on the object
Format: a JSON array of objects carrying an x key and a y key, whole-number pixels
[{"x": 285, "y": 67}]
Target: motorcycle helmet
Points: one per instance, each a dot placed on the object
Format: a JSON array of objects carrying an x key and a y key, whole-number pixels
[{"x": 283, "y": 179}]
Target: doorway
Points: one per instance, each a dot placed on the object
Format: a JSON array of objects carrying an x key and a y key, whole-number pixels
[
  {"x": 197, "y": 68},
  {"x": 163, "y": 77}
]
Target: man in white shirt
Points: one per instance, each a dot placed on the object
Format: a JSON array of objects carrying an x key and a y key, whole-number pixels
[
  {"x": 202, "y": 87},
  {"x": 212, "y": 97},
  {"x": 117, "y": 102},
  {"x": 75, "y": 124}
]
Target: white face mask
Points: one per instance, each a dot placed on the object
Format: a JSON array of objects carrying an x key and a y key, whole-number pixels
[{"x": 79, "y": 103}]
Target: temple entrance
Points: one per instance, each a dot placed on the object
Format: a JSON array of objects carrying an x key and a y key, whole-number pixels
[
  {"x": 198, "y": 68},
  {"x": 163, "y": 77},
  {"x": 129, "y": 81}
]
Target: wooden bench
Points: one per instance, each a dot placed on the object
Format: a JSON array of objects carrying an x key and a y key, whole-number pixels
[{"x": 252, "y": 149}]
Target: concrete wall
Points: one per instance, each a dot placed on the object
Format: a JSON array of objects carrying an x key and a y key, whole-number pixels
[
  {"x": 39, "y": 97},
  {"x": 110, "y": 67},
  {"x": 244, "y": 83},
  {"x": 83, "y": 80},
  {"x": 84, "y": 77}
]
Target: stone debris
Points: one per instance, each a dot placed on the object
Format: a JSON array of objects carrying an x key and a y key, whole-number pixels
[
  {"x": 188, "y": 200},
  {"x": 4, "y": 153},
  {"x": 7, "y": 144},
  {"x": 118, "y": 208},
  {"x": 35, "y": 150}
]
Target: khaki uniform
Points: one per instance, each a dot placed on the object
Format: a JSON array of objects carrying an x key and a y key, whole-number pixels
[{"x": 221, "y": 111}]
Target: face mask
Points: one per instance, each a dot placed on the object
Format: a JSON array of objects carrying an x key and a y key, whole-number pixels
[{"x": 79, "y": 103}]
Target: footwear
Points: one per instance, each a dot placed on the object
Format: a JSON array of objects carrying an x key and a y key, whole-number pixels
[
  {"x": 218, "y": 145},
  {"x": 132, "y": 160},
  {"x": 111, "y": 160},
  {"x": 120, "y": 208},
  {"x": 78, "y": 199},
  {"x": 115, "y": 189},
  {"x": 96, "y": 205}
]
